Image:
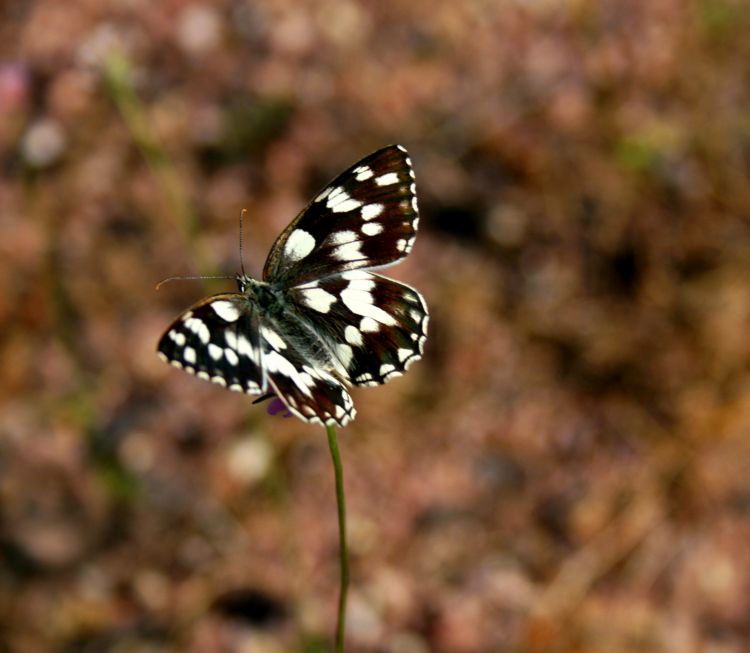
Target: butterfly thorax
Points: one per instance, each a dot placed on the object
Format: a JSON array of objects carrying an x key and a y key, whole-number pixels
[{"x": 265, "y": 296}]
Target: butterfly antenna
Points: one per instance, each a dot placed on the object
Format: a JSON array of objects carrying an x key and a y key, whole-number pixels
[
  {"x": 168, "y": 279},
  {"x": 242, "y": 262}
]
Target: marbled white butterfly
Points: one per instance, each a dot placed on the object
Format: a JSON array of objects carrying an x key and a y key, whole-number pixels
[{"x": 320, "y": 320}]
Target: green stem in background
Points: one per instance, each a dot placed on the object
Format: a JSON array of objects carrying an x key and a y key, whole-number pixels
[
  {"x": 343, "y": 551},
  {"x": 118, "y": 77}
]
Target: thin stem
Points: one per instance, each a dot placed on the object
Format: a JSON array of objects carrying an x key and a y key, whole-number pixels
[
  {"x": 118, "y": 75},
  {"x": 343, "y": 551}
]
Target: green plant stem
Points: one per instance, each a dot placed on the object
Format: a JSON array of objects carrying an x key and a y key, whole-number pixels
[
  {"x": 118, "y": 76},
  {"x": 343, "y": 551}
]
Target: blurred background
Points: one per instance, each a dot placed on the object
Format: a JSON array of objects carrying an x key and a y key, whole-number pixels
[{"x": 567, "y": 469}]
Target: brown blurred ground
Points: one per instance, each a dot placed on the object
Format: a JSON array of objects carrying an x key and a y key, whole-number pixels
[{"x": 568, "y": 467}]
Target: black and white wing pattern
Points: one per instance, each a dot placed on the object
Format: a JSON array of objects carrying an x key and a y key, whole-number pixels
[
  {"x": 219, "y": 340},
  {"x": 320, "y": 319},
  {"x": 226, "y": 339},
  {"x": 376, "y": 327},
  {"x": 365, "y": 218}
]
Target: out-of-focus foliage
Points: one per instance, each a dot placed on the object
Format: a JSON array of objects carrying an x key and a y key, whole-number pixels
[{"x": 568, "y": 467}]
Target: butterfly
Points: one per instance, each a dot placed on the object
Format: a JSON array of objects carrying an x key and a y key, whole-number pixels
[{"x": 320, "y": 320}]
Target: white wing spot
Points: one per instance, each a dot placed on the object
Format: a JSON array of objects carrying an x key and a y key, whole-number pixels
[
  {"x": 345, "y": 353},
  {"x": 337, "y": 196},
  {"x": 340, "y": 202},
  {"x": 387, "y": 179},
  {"x": 178, "y": 337},
  {"x": 189, "y": 355},
  {"x": 371, "y": 228},
  {"x": 334, "y": 195},
  {"x": 274, "y": 339},
  {"x": 386, "y": 369},
  {"x": 353, "y": 336},
  {"x": 236, "y": 387},
  {"x": 411, "y": 296},
  {"x": 323, "y": 195},
  {"x": 401, "y": 244},
  {"x": 276, "y": 363},
  {"x": 348, "y": 252},
  {"x": 298, "y": 245},
  {"x": 349, "y": 205},
  {"x": 199, "y": 328},
  {"x": 231, "y": 356},
  {"x": 227, "y": 311},
  {"x": 341, "y": 237},
  {"x": 162, "y": 356},
  {"x": 350, "y": 275},
  {"x": 244, "y": 348},
  {"x": 203, "y": 375},
  {"x": 404, "y": 353},
  {"x": 414, "y": 205},
  {"x": 368, "y": 325},
  {"x": 360, "y": 303},
  {"x": 318, "y": 299},
  {"x": 219, "y": 381},
  {"x": 363, "y": 283},
  {"x": 214, "y": 351},
  {"x": 370, "y": 211},
  {"x": 363, "y": 173}
]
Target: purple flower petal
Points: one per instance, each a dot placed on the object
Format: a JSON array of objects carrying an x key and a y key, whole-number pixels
[{"x": 276, "y": 406}]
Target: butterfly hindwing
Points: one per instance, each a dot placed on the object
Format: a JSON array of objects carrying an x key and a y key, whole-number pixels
[
  {"x": 365, "y": 218},
  {"x": 304, "y": 381},
  {"x": 375, "y": 326},
  {"x": 218, "y": 339}
]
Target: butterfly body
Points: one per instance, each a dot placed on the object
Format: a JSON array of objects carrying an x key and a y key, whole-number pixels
[
  {"x": 269, "y": 298},
  {"x": 320, "y": 320}
]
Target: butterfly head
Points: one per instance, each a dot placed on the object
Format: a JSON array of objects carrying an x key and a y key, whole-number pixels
[
  {"x": 243, "y": 282},
  {"x": 267, "y": 298}
]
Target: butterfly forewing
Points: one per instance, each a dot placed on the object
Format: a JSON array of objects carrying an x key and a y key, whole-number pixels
[
  {"x": 365, "y": 218},
  {"x": 218, "y": 339}
]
